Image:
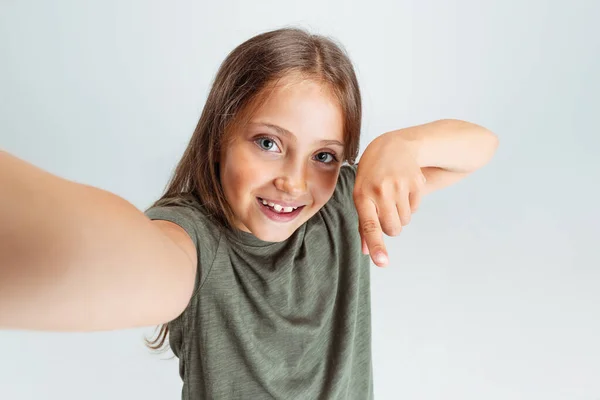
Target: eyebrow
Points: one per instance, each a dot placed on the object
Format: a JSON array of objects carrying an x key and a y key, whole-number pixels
[{"x": 285, "y": 132}]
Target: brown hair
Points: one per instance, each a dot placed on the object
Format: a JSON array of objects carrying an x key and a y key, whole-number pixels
[{"x": 240, "y": 86}]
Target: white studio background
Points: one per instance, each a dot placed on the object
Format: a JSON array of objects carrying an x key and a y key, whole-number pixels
[{"x": 492, "y": 292}]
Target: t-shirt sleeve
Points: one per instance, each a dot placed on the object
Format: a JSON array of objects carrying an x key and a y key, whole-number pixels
[
  {"x": 345, "y": 185},
  {"x": 187, "y": 214}
]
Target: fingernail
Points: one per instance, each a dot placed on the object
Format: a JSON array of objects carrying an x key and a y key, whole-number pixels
[{"x": 380, "y": 258}]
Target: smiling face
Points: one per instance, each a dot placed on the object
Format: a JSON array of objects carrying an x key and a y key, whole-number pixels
[{"x": 288, "y": 156}]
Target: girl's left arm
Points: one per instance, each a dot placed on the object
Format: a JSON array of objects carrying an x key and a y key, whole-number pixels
[
  {"x": 446, "y": 150},
  {"x": 399, "y": 167}
]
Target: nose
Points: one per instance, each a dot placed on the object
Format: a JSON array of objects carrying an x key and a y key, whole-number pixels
[{"x": 293, "y": 179}]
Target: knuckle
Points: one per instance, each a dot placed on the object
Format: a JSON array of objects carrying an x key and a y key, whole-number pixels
[
  {"x": 369, "y": 226},
  {"x": 415, "y": 202},
  {"x": 399, "y": 186},
  {"x": 392, "y": 226},
  {"x": 357, "y": 194},
  {"x": 378, "y": 190},
  {"x": 393, "y": 230},
  {"x": 378, "y": 247}
]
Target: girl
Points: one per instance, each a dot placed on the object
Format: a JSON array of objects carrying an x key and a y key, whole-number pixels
[{"x": 258, "y": 252}]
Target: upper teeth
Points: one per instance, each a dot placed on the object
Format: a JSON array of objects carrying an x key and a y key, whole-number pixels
[{"x": 277, "y": 207}]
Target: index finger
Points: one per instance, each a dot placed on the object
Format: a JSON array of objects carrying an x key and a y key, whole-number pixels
[{"x": 370, "y": 230}]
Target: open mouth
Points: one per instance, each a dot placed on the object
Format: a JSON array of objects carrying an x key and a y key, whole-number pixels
[{"x": 278, "y": 213}]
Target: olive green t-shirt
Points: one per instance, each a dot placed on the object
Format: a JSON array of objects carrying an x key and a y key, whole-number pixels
[{"x": 288, "y": 320}]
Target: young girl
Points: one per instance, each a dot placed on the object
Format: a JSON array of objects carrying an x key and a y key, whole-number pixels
[{"x": 257, "y": 257}]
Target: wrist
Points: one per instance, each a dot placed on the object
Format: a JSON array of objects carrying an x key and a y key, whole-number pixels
[{"x": 409, "y": 141}]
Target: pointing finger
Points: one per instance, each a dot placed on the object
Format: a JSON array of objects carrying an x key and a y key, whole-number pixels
[{"x": 371, "y": 230}]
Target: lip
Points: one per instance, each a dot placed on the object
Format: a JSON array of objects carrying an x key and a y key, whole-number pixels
[{"x": 279, "y": 217}]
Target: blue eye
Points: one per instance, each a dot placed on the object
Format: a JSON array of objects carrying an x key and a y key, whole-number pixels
[
  {"x": 326, "y": 158},
  {"x": 266, "y": 144}
]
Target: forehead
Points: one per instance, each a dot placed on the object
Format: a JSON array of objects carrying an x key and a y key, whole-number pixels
[{"x": 306, "y": 108}]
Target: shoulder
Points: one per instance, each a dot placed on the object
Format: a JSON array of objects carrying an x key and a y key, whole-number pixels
[
  {"x": 190, "y": 218},
  {"x": 341, "y": 204},
  {"x": 345, "y": 184},
  {"x": 184, "y": 210}
]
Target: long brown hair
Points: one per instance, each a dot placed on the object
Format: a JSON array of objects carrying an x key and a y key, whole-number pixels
[{"x": 240, "y": 86}]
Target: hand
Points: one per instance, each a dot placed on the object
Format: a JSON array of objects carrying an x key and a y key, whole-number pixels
[{"x": 386, "y": 192}]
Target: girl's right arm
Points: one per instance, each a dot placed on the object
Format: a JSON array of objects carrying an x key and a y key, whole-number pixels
[{"x": 78, "y": 258}]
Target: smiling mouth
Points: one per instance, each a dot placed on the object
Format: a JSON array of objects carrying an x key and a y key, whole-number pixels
[
  {"x": 278, "y": 213},
  {"x": 277, "y": 207}
]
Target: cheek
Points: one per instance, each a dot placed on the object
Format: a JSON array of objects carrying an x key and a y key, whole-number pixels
[
  {"x": 243, "y": 174},
  {"x": 325, "y": 186},
  {"x": 232, "y": 176}
]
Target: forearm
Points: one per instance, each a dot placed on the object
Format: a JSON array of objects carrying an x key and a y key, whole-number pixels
[{"x": 452, "y": 145}]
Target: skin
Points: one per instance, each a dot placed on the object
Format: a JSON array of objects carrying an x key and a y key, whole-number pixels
[
  {"x": 300, "y": 167},
  {"x": 395, "y": 170},
  {"x": 399, "y": 167}
]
